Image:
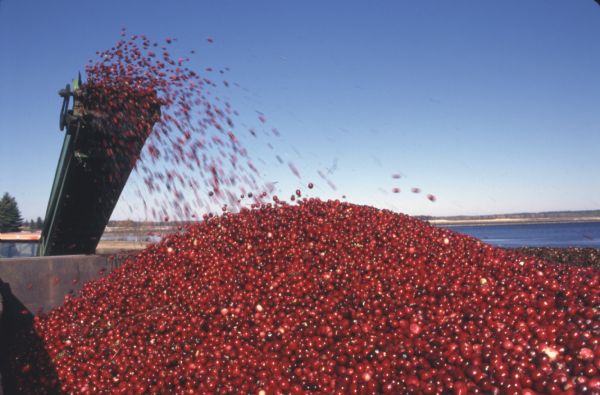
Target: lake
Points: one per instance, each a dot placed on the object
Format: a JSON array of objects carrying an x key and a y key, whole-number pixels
[{"x": 577, "y": 234}]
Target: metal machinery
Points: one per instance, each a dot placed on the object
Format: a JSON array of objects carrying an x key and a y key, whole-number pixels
[{"x": 90, "y": 176}]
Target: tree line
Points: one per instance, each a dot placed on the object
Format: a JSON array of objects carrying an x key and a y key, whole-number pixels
[{"x": 11, "y": 219}]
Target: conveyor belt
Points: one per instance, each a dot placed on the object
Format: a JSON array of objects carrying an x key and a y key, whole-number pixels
[{"x": 90, "y": 176}]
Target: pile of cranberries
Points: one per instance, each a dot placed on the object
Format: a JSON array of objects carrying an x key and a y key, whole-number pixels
[
  {"x": 327, "y": 297},
  {"x": 582, "y": 256}
]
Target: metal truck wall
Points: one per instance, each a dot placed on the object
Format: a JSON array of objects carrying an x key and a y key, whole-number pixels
[{"x": 30, "y": 285}]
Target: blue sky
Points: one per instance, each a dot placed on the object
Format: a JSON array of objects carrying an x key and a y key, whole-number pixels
[{"x": 491, "y": 106}]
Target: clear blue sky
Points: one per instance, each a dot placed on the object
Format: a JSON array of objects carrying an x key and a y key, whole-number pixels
[{"x": 492, "y": 106}]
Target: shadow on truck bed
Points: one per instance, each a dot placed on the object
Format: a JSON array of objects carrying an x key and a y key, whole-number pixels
[{"x": 25, "y": 366}]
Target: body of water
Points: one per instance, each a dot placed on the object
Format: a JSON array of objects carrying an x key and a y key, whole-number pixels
[{"x": 578, "y": 234}]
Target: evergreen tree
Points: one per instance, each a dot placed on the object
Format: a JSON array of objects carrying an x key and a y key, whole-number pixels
[
  {"x": 10, "y": 216},
  {"x": 39, "y": 223},
  {"x": 31, "y": 225}
]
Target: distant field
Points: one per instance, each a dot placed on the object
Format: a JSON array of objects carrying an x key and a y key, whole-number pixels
[{"x": 113, "y": 246}]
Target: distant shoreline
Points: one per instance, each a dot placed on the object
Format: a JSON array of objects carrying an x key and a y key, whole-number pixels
[{"x": 510, "y": 221}]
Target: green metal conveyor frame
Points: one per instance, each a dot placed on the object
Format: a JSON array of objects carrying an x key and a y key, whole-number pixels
[{"x": 88, "y": 181}]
